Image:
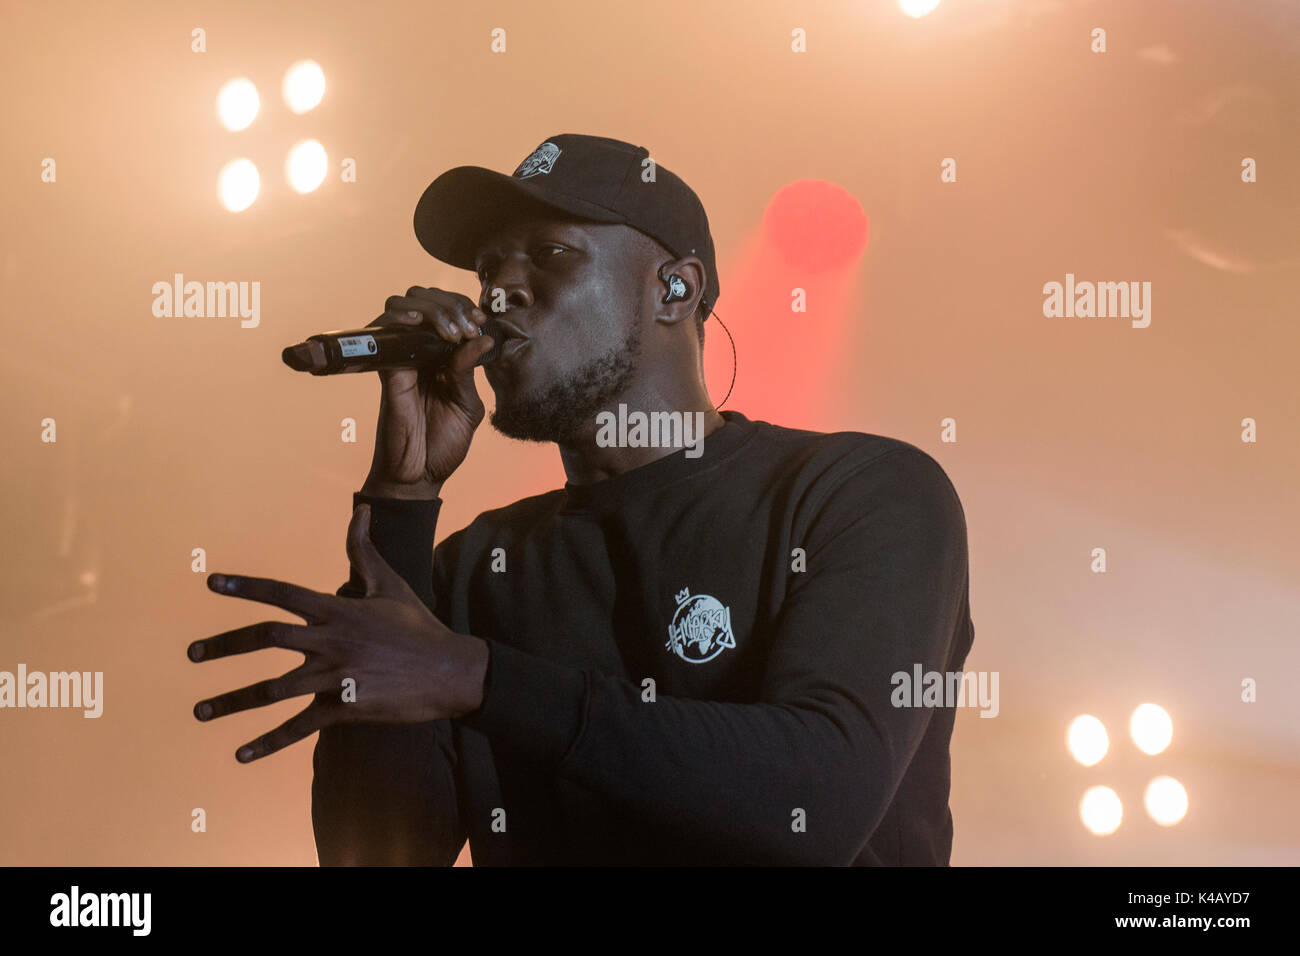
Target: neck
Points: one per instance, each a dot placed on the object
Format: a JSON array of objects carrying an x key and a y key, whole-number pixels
[{"x": 624, "y": 439}]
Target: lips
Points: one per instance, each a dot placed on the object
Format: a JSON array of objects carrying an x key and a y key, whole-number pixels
[
  {"x": 508, "y": 329},
  {"x": 509, "y": 336},
  {"x": 512, "y": 347}
]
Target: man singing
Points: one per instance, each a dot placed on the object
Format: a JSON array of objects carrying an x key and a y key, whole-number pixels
[{"x": 683, "y": 656}]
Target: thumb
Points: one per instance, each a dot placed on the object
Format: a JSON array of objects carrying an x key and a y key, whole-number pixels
[
  {"x": 377, "y": 573},
  {"x": 460, "y": 371}
]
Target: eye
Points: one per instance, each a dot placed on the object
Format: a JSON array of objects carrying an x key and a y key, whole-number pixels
[{"x": 545, "y": 251}]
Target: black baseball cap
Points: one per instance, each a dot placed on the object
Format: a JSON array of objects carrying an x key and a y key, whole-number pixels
[{"x": 588, "y": 177}]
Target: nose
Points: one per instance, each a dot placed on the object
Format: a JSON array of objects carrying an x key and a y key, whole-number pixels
[{"x": 511, "y": 276}]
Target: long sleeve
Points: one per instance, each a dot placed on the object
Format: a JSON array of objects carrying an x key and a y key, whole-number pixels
[
  {"x": 385, "y": 794},
  {"x": 885, "y": 589}
]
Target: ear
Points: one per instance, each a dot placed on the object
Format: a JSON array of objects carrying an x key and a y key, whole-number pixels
[{"x": 691, "y": 271}]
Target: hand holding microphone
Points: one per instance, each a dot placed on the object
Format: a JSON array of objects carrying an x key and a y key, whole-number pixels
[{"x": 426, "y": 345}]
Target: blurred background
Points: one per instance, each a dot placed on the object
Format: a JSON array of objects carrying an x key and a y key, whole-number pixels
[{"x": 816, "y": 135}]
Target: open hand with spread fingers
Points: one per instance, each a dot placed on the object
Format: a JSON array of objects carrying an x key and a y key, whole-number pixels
[{"x": 383, "y": 658}]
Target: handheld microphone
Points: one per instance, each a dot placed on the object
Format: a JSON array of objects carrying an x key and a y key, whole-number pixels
[{"x": 381, "y": 347}]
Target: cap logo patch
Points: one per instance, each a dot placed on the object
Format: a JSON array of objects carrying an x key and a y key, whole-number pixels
[{"x": 541, "y": 160}]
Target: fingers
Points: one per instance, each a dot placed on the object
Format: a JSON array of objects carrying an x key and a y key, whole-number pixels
[
  {"x": 301, "y": 680},
  {"x": 308, "y": 604},
  {"x": 458, "y": 376},
  {"x": 254, "y": 637},
  {"x": 467, "y": 356},
  {"x": 453, "y": 316},
  {"x": 291, "y": 731}
]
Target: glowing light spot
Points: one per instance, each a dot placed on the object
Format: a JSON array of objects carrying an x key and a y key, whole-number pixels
[
  {"x": 1087, "y": 739},
  {"x": 917, "y": 8},
  {"x": 1101, "y": 810},
  {"x": 1151, "y": 728},
  {"x": 816, "y": 225},
  {"x": 237, "y": 104},
  {"x": 1166, "y": 801},
  {"x": 304, "y": 86},
  {"x": 306, "y": 165},
  {"x": 239, "y": 185}
]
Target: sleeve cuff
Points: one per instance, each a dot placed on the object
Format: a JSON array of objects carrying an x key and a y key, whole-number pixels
[{"x": 532, "y": 707}]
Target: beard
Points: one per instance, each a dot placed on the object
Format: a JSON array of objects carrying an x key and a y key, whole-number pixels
[{"x": 565, "y": 409}]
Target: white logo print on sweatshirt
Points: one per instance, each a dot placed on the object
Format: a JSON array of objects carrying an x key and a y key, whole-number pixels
[{"x": 701, "y": 628}]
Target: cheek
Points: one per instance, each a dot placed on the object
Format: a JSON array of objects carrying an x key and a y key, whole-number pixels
[
  {"x": 586, "y": 318},
  {"x": 576, "y": 333}
]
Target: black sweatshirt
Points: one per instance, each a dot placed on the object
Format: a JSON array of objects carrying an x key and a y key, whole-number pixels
[{"x": 690, "y": 663}]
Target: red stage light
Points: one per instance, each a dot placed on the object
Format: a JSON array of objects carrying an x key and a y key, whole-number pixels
[{"x": 816, "y": 225}]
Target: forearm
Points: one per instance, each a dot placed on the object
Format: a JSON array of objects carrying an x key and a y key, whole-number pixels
[
  {"x": 385, "y": 794},
  {"x": 750, "y": 784},
  {"x": 753, "y": 783}
]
